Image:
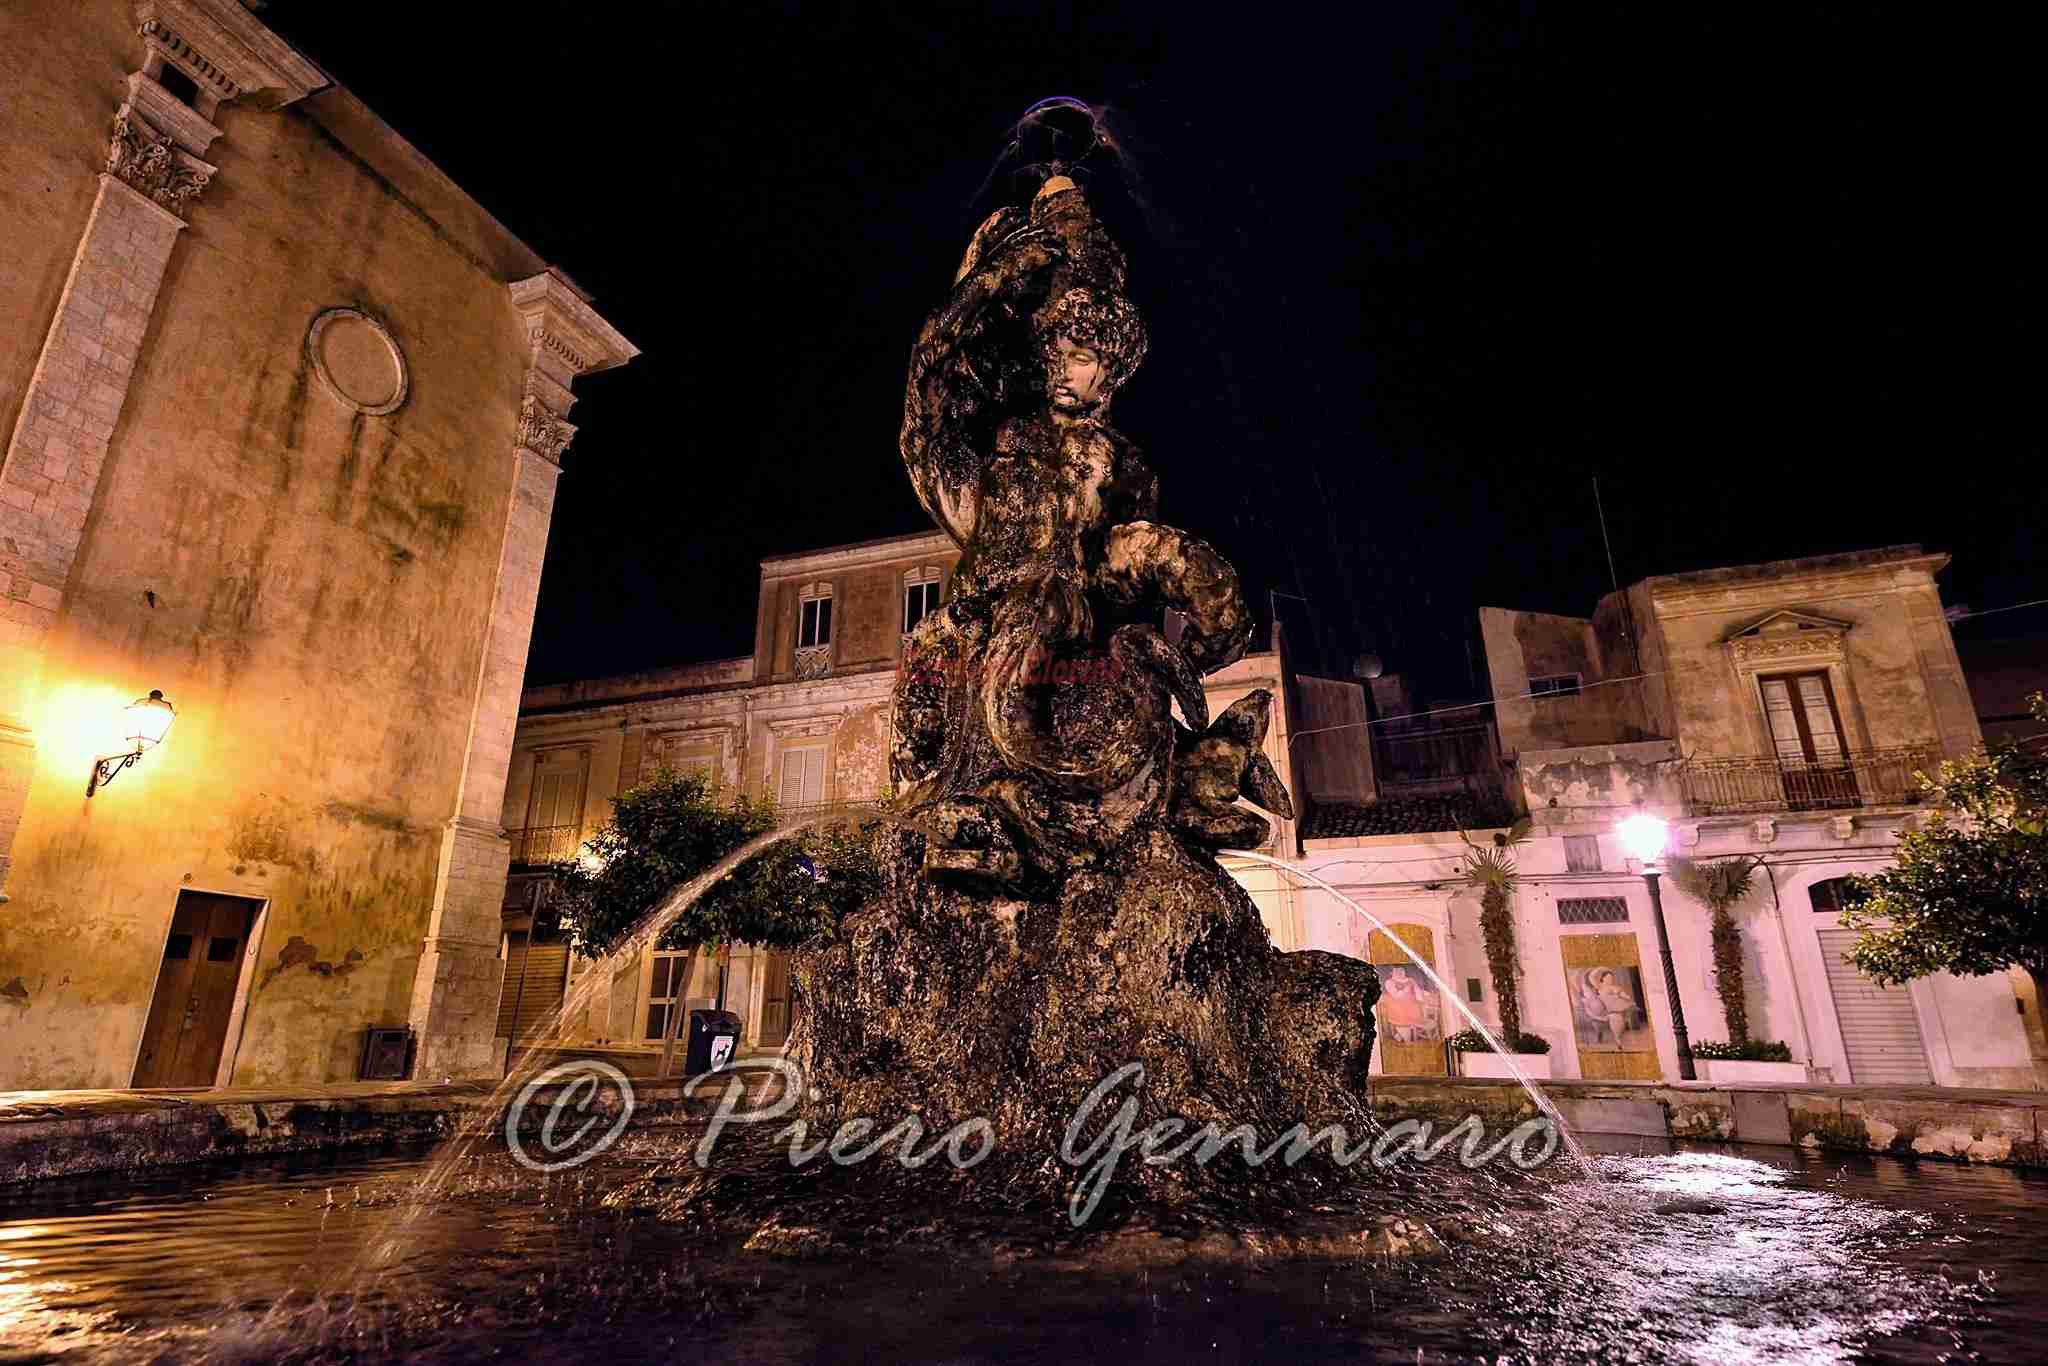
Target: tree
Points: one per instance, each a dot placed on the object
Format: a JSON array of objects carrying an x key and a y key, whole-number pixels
[
  {"x": 675, "y": 827},
  {"x": 1491, "y": 869},
  {"x": 1721, "y": 886},
  {"x": 1969, "y": 892}
]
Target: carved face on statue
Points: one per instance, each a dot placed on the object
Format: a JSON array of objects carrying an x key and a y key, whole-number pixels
[
  {"x": 1091, "y": 341},
  {"x": 1078, "y": 378}
]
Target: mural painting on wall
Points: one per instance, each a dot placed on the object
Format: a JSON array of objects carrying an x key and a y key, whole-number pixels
[
  {"x": 1603, "y": 980},
  {"x": 1410, "y": 1013}
]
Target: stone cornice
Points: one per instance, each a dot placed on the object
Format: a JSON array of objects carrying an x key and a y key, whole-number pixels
[
  {"x": 228, "y": 51},
  {"x": 170, "y": 114},
  {"x": 862, "y": 555},
  {"x": 1874, "y": 579},
  {"x": 561, "y": 323}
]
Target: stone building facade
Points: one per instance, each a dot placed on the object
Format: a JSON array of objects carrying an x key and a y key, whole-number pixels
[
  {"x": 284, "y": 409},
  {"x": 1774, "y": 711},
  {"x": 804, "y": 721}
]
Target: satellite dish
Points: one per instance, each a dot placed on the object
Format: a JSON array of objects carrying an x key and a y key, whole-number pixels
[{"x": 1368, "y": 666}]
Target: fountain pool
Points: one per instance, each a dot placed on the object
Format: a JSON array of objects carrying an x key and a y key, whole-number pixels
[{"x": 1673, "y": 1254}]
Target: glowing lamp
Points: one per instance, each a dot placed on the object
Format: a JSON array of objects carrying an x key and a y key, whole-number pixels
[
  {"x": 145, "y": 723},
  {"x": 1645, "y": 838}
]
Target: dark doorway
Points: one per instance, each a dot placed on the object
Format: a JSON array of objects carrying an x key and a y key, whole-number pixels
[
  {"x": 195, "y": 990},
  {"x": 776, "y": 1002}
]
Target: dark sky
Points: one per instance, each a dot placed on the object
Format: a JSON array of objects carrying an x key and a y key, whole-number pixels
[{"x": 1415, "y": 276}]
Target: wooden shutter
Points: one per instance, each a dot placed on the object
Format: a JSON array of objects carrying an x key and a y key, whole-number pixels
[
  {"x": 535, "y": 975},
  {"x": 803, "y": 777}
]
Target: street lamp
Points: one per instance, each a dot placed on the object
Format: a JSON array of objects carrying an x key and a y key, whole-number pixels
[
  {"x": 144, "y": 725},
  {"x": 1645, "y": 838}
]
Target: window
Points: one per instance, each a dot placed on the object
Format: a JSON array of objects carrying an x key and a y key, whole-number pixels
[
  {"x": 814, "y": 617},
  {"x": 1582, "y": 853},
  {"x": 1472, "y": 991},
  {"x": 665, "y": 992},
  {"x": 1800, "y": 709},
  {"x": 920, "y": 596},
  {"x": 1554, "y": 685},
  {"x": 1592, "y": 910},
  {"x": 803, "y": 777},
  {"x": 1829, "y": 897}
]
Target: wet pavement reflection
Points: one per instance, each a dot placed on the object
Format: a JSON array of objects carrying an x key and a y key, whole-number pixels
[{"x": 1705, "y": 1254}]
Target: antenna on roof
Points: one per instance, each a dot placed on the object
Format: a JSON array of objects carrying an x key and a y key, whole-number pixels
[{"x": 1627, "y": 613}]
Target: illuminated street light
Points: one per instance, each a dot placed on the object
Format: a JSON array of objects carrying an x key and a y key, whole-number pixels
[
  {"x": 145, "y": 724},
  {"x": 1646, "y": 838}
]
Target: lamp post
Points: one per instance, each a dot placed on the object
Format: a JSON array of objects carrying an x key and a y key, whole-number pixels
[
  {"x": 145, "y": 723},
  {"x": 1645, "y": 838}
]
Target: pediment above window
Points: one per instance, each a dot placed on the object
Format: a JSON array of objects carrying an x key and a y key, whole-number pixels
[{"x": 1787, "y": 634}]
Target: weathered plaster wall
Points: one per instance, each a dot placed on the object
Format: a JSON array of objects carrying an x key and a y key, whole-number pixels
[
  {"x": 307, "y": 585},
  {"x": 1592, "y": 782},
  {"x": 1333, "y": 745},
  {"x": 1899, "y": 682},
  {"x": 1520, "y": 646}
]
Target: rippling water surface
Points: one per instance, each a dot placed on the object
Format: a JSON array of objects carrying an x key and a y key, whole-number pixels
[{"x": 1708, "y": 1255}]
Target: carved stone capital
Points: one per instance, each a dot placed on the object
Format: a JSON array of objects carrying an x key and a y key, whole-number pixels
[
  {"x": 541, "y": 432},
  {"x": 150, "y": 163}
]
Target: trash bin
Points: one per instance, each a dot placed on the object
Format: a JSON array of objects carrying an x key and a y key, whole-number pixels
[{"x": 714, "y": 1038}]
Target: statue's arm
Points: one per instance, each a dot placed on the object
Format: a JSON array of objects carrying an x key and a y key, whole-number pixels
[
  {"x": 956, "y": 373},
  {"x": 1146, "y": 566}
]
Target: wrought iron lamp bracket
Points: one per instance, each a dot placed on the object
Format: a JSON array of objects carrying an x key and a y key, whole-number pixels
[{"x": 103, "y": 772}]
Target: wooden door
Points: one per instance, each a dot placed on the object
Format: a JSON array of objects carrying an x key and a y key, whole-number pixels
[
  {"x": 777, "y": 1000},
  {"x": 536, "y": 976},
  {"x": 195, "y": 990}
]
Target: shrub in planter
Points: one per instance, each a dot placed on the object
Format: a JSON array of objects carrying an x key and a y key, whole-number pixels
[
  {"x": 1755, "y": 1050},
  {"x": 1472, "y": 1041}
]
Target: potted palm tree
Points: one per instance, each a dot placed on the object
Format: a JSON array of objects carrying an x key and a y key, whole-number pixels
[
  {"x": 1722, "y": 886},
  {"x": 1490, "y": 869}
]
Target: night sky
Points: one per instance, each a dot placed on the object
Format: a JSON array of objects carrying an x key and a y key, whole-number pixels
[{"x": 1415, "y": 277}]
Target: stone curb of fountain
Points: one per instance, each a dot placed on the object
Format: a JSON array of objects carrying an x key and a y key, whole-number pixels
[
  {"x": 1999, "y": 1128},
  {"x": 49, "y": 1134}
]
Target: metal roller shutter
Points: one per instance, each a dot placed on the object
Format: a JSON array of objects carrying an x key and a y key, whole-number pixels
[{"x": 1879, "y": 1030}]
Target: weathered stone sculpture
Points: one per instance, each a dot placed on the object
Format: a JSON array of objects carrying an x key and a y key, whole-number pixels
[{"x": 1053, "y": 909}]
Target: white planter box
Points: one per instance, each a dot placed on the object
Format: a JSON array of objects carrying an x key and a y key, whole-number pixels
[
  {"x": 1727, "y": 1072},
  {"x": 1535, "y": 1066}
]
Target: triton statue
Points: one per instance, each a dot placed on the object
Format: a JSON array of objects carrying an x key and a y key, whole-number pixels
[{"x": 1052, "y": 908}]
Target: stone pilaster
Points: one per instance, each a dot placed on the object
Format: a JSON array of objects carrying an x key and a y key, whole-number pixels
[
  {"x": 50, "y": 474},
  {"x": 455, "y": 990},
  {"x": 74, "y": 397}
]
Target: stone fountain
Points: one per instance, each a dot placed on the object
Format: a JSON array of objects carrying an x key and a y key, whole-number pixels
[{"x": 1053, "y": 909}]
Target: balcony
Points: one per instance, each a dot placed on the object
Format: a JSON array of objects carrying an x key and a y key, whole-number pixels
[
  {"x": 789, "y": 814},
  {"x": 543, "y": 844},
  {"x": 1860, "y": 778}
]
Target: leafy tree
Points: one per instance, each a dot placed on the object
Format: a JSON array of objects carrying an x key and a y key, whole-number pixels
[
  {"x": 1491, "y": 869},
  {"x": 1969, "y": 892},
  {"x": 1722, "y": 885},
  {"x": 675, "y": 827}
]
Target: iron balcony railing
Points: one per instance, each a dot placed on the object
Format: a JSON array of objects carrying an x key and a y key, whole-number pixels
[
  {"x": 539, "y": 844},
  {"x": 797, "y": 814},
  {"x": 1859, "y": 778}
]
